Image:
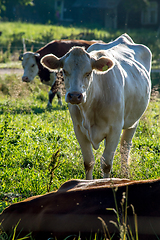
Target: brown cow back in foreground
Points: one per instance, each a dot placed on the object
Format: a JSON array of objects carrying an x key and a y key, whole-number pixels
[{"x": 76, "y": 208}]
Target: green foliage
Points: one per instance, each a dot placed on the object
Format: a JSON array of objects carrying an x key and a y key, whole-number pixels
[
  {"x": 136, "y": 5},
  {"x": 52, "y": 166},
  {"x": 4, "y": 4},
  {"x": 39, "y": 150}
]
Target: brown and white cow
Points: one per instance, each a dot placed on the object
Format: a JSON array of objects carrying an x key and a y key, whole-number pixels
[
  {"x": 32, "y": 66},
  {"x": 79, "y": 208},
  {"x": 108, "y": 91}
]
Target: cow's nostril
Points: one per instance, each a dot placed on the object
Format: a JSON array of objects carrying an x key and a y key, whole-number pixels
[
  {"x": 79, "y": 96},
  {"x": 70, "y": 95},
  {"x": 75, "y": 98},
  {"x": 25, "y": 79}
]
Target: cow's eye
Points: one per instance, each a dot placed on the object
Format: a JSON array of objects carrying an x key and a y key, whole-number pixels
[
  {"x": 33, "y": 65},
  {"x": 88, "y": 74}
]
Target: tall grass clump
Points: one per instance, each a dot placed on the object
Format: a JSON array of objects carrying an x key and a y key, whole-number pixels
[
  {"x": 13, "y": 235},
  {"x": 124, "y": 229}
]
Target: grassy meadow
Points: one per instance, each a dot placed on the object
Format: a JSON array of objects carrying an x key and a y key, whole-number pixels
[
  {"x": 31, "y": 135},
  {"x": 37, "y": 35},
  {"x": 38, "y": 147}
]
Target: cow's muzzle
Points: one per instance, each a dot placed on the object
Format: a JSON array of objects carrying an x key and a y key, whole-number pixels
[
  {"x": 25, "y": 79},
  {"x": 74, "y": 98}
]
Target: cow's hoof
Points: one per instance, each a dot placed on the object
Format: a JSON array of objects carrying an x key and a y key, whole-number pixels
[
  {"x": 49, "y": 106},
  {"x": 59, "y": 103}
]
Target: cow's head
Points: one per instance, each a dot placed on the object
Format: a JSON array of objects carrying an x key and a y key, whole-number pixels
[
  {"x": 30, "y": 66},
  {"x": 78, "y": 66}
]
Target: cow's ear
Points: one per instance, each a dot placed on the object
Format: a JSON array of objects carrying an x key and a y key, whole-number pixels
[
  {"x": 50, "y": 61},
  {"x": 102, "y": 64}
]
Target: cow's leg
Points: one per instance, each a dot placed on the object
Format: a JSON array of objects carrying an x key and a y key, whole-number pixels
[
  {"x": 87, "y": 153},
  {"x": 125, "y": 146},
  {"x": 59, "y": 96},
  {"x": 111, "y": 143},
  {"x": 50, "y": 98}
]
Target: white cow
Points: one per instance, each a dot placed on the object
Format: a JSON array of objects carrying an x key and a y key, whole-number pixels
[{"x": 107, "y": 91}]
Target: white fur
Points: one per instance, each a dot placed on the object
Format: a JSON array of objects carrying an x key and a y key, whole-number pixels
[{"x": 111, "y": 101}]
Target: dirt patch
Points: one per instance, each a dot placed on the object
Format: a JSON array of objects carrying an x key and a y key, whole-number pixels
[{"x": 11, "y": 71}]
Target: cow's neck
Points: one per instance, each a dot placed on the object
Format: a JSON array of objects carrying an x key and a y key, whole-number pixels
[
  {"x": 90, "y": 106},
  {"x": 90, "y": 111},
  {"x": 44, "y": 75}
]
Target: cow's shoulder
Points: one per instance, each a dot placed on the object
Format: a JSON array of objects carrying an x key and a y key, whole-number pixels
[
  {"x": 123, "y": 39},
  {"x": 48, "y": 48}
]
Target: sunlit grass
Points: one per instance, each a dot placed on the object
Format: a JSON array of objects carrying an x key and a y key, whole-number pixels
[
  {"x": 37, "y": 35},
  {"x": 11, "y": 64},
  {"x": 30, "y": 134}
]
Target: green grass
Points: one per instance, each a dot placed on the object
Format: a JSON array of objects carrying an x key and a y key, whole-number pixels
[
  {"x": 11, "y": 65},
  {"x": 37, "y": 35},
  {"x": 34, "y": 31},
  {"x": 30, "y": 134}
]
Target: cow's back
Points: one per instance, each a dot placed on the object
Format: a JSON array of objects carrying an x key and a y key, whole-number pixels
[
  {"x": 123, "y": 39},
  {"x": 76, "y": 208},
  {"x": 130, "y": 77},
  {"x": 127, "y": 49},
  {"x": 61, "y": 47}
]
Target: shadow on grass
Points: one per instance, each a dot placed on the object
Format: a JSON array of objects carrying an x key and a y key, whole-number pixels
[{"x": 29, "y": 110}]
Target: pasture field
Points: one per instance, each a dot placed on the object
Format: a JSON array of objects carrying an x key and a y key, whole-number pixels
[
  {"x": 37, "y": 35},
  {"x": 39, "y": 150},
  {"x": 38, "y": 147}
]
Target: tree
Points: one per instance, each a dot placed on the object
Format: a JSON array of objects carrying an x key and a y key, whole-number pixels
[
  {"x": 5, "y": 3},
  {"x": 133, "y": 5},
  {"x": 2, "y": 5}
]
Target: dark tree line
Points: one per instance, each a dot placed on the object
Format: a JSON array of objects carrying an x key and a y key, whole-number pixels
[
  {"x": 43, "y": 11},
  {"x": 27, "y": 10},
  {"x": 133, "y": 5}
]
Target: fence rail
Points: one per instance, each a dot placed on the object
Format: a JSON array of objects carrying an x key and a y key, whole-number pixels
[{"x": 27, "y": 45}]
